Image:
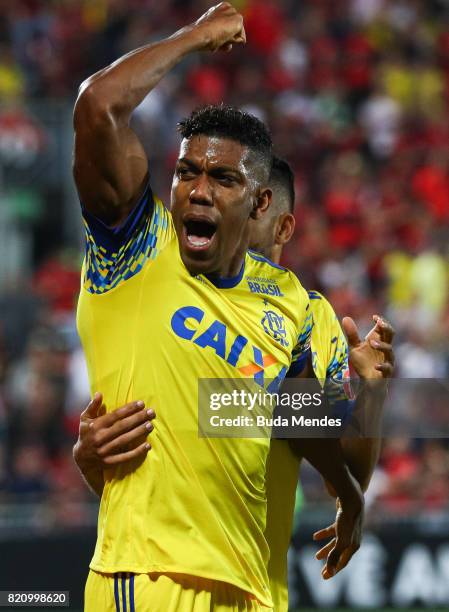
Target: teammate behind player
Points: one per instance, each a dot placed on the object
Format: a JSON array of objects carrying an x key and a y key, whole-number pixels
[{"x": 372, "y": 358}]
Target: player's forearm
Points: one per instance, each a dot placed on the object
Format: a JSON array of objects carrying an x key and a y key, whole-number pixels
[
  {"x": 362, "y": 455},
  {"x": 118, "y": 89},
  {"x": 326, "y": 456},
  {"x": 361, "y": 446}
]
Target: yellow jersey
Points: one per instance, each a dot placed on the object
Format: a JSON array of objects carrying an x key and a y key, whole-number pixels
[
  {"x": 330, "y": 362},
  {"x": 150, "y": 331}
]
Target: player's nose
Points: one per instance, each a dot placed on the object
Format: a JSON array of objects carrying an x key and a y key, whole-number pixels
[{"x": 201, "y": 192}]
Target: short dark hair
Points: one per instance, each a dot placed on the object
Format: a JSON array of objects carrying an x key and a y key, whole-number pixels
[
  {"x": 282, "y": 179},
  {"x": 233, "y": 124}
]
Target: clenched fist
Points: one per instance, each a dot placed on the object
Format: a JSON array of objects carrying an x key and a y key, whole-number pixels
[{"x": 220, "y": 28}]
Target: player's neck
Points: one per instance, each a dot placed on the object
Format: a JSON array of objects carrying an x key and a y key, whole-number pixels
[
  {"x": 231, "y": 270},
  {"x": 276, "y": 253},
  {"x": 233, "y": 266}
]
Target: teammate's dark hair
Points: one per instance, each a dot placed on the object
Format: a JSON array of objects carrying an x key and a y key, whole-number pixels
[
  {"x": 282, "y": 180},
  {"x": 232, "y": 123}
]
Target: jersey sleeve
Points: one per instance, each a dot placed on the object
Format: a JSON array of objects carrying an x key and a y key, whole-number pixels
[
  {"x": 301, "y": 352},
  {"x": 337, "y": 383},
  {"x": 113, "y": 255}
]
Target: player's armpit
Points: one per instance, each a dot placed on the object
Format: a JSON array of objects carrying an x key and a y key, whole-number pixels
[{"x": 304, "y": 369}]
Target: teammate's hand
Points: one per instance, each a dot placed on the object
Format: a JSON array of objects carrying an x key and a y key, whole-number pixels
[
  {"x": 220, "y": 28},
  {"x": 346, "y": 534},
  {"x": 112, "y": 438},
  {"x": 373, "y": 357}
]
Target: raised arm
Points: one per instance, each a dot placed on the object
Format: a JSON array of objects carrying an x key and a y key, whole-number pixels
[{"x": 110, "y": 166}]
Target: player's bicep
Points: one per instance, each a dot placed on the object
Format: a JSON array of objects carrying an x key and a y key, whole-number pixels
[{"x": 110, "y": 165}]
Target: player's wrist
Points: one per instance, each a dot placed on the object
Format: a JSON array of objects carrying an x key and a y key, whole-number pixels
[
  {"x": 83, "y": 460},
  {"x": 193, "y": 38},
  {"x": 78, "y": 456},
  {"x": 352, "y": 501},
  {"x": 374, "y": 383},
  {"x": 350, "y": 495}
]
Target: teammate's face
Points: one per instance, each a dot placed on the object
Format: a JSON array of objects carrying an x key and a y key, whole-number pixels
[
  {"x": 214, "y": 193},
  {"x": 269, "y": 233},
  {"x": 262, "y": 235}
]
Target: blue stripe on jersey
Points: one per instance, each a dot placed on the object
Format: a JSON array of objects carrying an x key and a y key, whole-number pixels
[
  {"x": 298, "y": 365},
  {"x": 124, "y": 592},
  {"x": 313, "y": 295},
  {"x": 259, "y": 257},
  {"x": 116, "y": 597},
  {"x": 131, "y": 593},
  {"x": 258, "y": 358},
  {"x": 274, "y": 385},
  {"x": 112, "y": 238},
  {"x": 339, "y": 363},
  {"x": 229, "y": 282}
]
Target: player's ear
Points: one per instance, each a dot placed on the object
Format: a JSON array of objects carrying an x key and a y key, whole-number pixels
[
  {"x": 285, "y": 228},
  {"x": 262, "y": 202}
]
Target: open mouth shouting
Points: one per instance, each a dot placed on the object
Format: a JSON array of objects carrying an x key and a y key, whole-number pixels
[{"x": 198, "y": 232}]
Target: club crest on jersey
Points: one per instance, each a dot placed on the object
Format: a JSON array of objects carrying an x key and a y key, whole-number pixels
[{"x": 274, "y": 325}]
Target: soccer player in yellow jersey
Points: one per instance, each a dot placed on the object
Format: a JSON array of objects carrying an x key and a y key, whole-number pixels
[
  {"x": 330, "y": 364},
  {"x": 165, "y": 301},
  {"x": 330, "y": 361}
]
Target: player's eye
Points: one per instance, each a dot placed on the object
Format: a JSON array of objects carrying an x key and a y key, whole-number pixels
[
  {"x": 226, "y": 179},
  {"x": 185, "y": 173}
]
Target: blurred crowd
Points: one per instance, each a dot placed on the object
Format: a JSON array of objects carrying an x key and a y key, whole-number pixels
[{"x": 356, "y": 94}]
